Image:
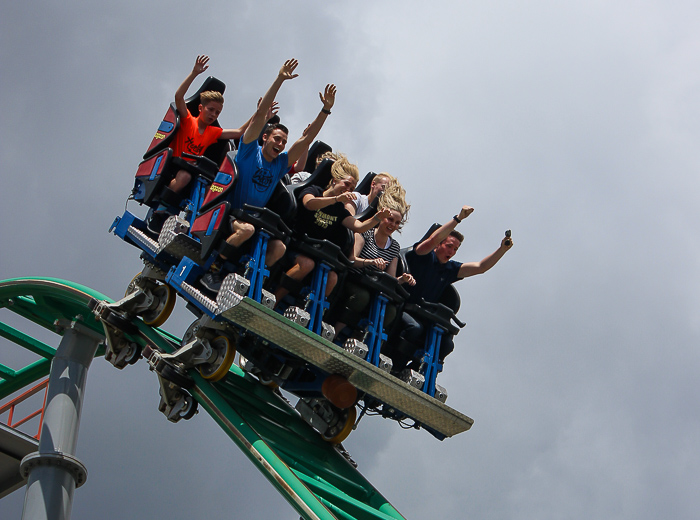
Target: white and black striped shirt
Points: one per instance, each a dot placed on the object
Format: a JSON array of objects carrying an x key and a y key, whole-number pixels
[{"x": 371, "y": 251}]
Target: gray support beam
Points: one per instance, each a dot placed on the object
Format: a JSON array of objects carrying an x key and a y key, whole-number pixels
[{"x": 54, "y": 472}]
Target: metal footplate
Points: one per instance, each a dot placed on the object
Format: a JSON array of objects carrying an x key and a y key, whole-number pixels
[
  {"x": 299, "y": 341},
  {"x": 175, "y": 241},
  {"x": 232, "y": 290},
  {"x": 143, "y": 240}
]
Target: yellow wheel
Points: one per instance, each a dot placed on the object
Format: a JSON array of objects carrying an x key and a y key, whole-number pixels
[
  {"x": 350, "y": 416},
  {"x": 132, "y": 285},
  {"x": 166, "y": 303},
  {"x": 224, "y": 359}
]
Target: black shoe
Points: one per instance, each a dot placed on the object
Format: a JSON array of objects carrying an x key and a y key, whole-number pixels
[
  {"x": 211, "y": 282},
  {"x": 154, "y": 225}
]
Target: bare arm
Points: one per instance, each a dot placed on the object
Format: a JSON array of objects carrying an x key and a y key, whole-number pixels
[
  {"x": 257, "y": 122},
  {"x": 328, "y": 99},
  {"x": 360, "y": 227},
  {"x": 236, "y": 133},
  {"x": 200, "y": 65},
  {"x": 301, "y": 161},
  {"x": 357, "y": 249},
  {"x": 487, "y": 263},
  {"x": 442, "y": 232},
  {"x": 313, "y": 203}
]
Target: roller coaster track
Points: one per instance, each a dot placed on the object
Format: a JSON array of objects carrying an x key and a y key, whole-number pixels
[{"x": 312, "y": 476}]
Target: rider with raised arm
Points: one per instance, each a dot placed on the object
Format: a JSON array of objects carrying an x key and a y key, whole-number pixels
[
  {"x": 430, "y": 263},
  {"x": 195, "y": 135},
  {"x": 259, "y": 169}
]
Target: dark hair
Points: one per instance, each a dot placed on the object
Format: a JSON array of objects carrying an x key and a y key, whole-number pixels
[
  {"x": 459, "y": 236},
  {"x": 275, "y": 126}
]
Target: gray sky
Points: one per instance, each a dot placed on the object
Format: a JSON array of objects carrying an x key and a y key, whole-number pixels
[{"x": 574, "y": 124}]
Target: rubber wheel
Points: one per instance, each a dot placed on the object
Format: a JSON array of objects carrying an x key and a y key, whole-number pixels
[
  {"x": 132, "y": 285},
  {"x": 166, "y": 303},
  {"x": 265, "y": 381},
  {"x": 191, "y": 410},
  {"x": 350, "y": 418},
  {"x": 224, "y": 359},
  {"x": 174, "y": 376},
  {"x": 120, "y": 323},
  {"x": 134, "y": 355}
]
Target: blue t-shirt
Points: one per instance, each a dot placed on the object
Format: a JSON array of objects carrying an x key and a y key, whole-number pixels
[
  {"x": 257, "y": 177},
  {"x": 431, "y": 276}
]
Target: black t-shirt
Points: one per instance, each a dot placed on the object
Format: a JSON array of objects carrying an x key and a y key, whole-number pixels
[
  {"x": 325, "y": 223},
  {"x": 431, "y": 276}
]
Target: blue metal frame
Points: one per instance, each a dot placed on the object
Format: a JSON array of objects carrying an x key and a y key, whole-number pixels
[
  {"x": 197, "y": 194},
  {"x": 430, "y": 363},
  {"x": 317, "y": 303},
  {"x": 375, "y": 328},
  {"x": 256, "y": 270}
]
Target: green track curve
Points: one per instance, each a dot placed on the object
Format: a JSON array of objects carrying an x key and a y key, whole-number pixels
[{"x": 317, "y": 481}]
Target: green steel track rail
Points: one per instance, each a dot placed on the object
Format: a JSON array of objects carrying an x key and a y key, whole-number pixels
[{"x": 315, "y": 479}]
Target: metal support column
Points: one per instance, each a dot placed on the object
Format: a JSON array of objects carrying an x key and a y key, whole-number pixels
[{"x": 54, "y": 472}]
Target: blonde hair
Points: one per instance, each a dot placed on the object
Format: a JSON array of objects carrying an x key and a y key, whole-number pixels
[
  {"x": 342, "y": 169},
  {"x": 384, "y": 175},
  {"x": 394, "y": 198},
  {"x": 326, "y": 155},
  {"x": 211, "y": 95}
]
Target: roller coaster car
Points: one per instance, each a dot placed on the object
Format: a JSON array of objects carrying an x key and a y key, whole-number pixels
[{"x": 329, "y": 380}]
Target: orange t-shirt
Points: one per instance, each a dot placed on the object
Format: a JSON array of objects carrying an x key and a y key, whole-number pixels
[{"x": 189, "y": 140}]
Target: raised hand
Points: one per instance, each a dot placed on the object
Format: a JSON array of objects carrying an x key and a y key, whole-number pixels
[
  {"x": 272, "y": 111},
  {"x": 507, "y": 243},
  {"x": 328, "y": 96},
  {"x": 287, "y": 70},
  {"x": 200, "y": 64},
  {"x": 465, "y": 212}
]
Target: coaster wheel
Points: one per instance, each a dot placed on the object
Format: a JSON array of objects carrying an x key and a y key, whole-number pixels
[
  {"x": 349, "y": 416},
  {"x": 134, "y": 353},
  {"x": 266, "y": 381},
  {"x": 225, "y": 352},
  {"x": 133, "y": 284},
  {"x": 190, "y": 409},
  {"x": 173, "y": 375},
  {"x": 166, "y": 303},
  {"x": 119, "y": 322}
]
